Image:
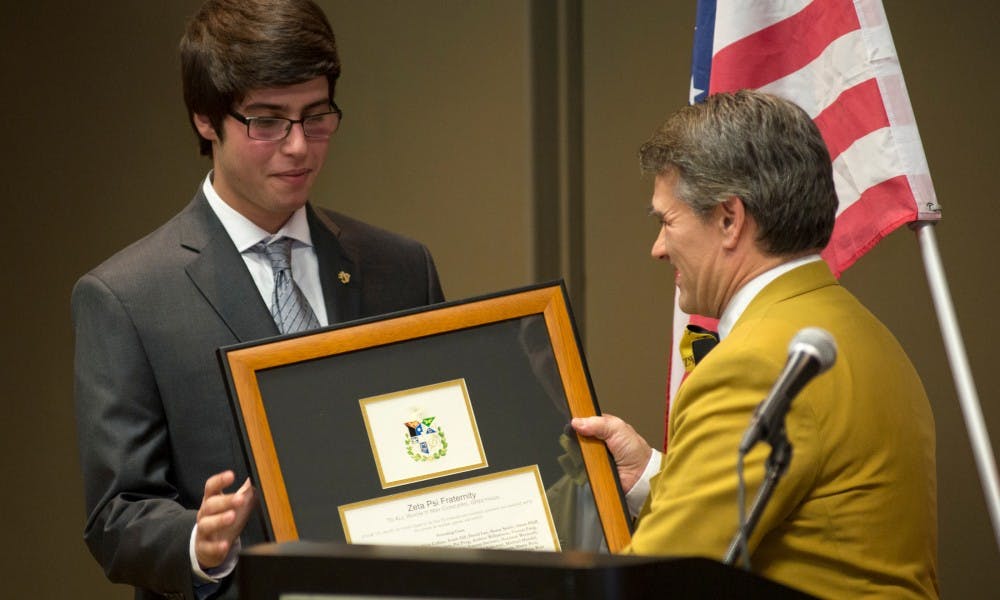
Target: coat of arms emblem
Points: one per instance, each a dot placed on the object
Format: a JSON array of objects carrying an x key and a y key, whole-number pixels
[{"x": 424, "y": 440}]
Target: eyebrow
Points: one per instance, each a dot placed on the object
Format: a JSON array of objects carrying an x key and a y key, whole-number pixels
[{"x": 285, "y": 107}]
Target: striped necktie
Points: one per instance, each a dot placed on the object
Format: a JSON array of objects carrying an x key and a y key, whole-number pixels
[{"x": 289, "y": 307}]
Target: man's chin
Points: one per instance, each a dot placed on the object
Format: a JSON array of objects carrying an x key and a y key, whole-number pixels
[
  {"x": 682, "y": 300},
  {"x": 690, "y": 308},
  {"x": 291, "y": 203}
]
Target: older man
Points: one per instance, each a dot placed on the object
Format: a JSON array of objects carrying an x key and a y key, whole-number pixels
[{"x": 745, "y": 201}]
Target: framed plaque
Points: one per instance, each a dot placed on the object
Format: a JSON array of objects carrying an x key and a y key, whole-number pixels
[{"x": 446, "y": 425}]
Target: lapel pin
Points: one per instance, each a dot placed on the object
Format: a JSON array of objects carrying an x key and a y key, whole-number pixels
[{"x": 344, "y": 277}]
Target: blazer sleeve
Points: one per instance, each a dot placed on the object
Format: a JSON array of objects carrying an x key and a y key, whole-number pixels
[{"x": 135, "y": 527}]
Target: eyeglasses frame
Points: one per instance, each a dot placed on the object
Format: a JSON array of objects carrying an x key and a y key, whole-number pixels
[{"x": 247, "y": 121}]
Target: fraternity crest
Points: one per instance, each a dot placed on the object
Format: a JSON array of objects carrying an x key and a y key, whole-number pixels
[{"x": 424, "y": 440}]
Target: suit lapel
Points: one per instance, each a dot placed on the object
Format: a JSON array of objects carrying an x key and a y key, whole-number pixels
[
  {"x": 339, "y": 275},
  {"x": 219, "y": 272}
]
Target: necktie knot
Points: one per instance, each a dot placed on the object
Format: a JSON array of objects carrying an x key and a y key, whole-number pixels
[{"x": 278, "y": 252}]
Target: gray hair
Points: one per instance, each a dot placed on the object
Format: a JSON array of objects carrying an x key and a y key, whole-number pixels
[{"x": 760, "y": 148}]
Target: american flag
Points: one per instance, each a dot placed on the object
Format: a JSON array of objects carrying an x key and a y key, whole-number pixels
[{"x": 835, "y": 59}]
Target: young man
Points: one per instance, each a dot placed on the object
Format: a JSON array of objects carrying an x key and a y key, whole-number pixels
[
  {"x": 159, "y": 449},
  {"x": 745, "y": 200}
]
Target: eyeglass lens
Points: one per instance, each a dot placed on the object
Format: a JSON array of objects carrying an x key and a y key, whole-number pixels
[{"x": 274, "y": 128}]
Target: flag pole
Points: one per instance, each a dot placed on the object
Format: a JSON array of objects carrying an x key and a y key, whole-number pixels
[{"x": 968, "y": 398}]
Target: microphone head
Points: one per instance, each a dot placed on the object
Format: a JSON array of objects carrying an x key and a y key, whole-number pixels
[{"x": 817, "y": 343}]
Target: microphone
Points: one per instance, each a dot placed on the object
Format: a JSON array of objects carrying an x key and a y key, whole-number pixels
[{"x": 811, "y": 352}]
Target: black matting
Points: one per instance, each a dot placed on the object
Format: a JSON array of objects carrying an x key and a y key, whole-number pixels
[{"x": 320, "y": 439}]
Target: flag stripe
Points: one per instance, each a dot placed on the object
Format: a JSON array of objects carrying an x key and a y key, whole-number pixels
[
  {"x": 782, "y": 48},
  {"x": 816, "y": 85},
  {"x": 854, "y": 114},
  {"x": 880, "y": 210},
  {"x": 854, "y": 171},
  {"x": 764, "y": 14}
]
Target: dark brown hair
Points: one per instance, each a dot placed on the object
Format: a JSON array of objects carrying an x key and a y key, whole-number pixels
[{"x": 231, "y": 47}]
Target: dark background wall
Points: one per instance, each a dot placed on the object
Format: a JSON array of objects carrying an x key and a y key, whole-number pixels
[{"x": 443, "y": 100}]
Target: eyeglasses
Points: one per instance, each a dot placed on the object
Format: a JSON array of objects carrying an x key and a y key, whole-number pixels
[{"x": 273, "y": 129}]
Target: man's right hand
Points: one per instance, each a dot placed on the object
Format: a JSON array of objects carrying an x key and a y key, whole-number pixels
[
  {"x": 629, "y": 449},
  {"x": 221, "y": 518}
]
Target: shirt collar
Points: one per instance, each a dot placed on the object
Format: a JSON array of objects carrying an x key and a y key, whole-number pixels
[
  {"x": 742, "y": 298},
  {"x": 244, "y": 232}
]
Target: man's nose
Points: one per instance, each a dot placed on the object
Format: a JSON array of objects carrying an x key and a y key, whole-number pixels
[
  {"x": 659, "y": 249},
  {"x": 295, "y": 142}
]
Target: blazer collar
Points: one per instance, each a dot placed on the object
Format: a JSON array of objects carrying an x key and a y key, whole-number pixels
[
  {"x": 219, "y": 273},
  {"x": 339, "y": 275},
  {"x": 798, "y": 281}
]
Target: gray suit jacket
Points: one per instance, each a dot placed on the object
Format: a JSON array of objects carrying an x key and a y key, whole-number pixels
[{"x": 153, "y": 417}]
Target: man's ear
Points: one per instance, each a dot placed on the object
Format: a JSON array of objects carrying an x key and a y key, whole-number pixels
[
  {"x": 732, "y": 221},
  {"x": 204, "y": 126}
]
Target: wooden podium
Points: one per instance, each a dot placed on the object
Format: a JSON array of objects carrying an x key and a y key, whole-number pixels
[{"x": 321, "y": 571}]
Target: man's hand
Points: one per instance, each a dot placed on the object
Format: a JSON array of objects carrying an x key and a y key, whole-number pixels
[
  {"x": 630, "y": 451},
  {"x": 221, "y": 518}
]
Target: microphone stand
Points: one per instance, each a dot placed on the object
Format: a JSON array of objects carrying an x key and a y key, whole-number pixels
[{"x": 777, "y": 464}]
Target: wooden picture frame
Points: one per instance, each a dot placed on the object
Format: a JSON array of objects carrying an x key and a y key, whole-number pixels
[{"x": 295, "y": 401}]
